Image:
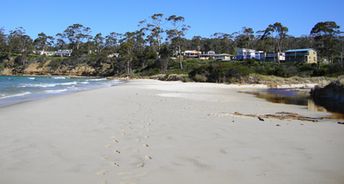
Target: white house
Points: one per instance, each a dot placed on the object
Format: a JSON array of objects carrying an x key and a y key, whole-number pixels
[
  {"x": 113, "y": 55},
  {"x": 45, "y": 53},
  {"x": 64, "y": 53},
  {"x": 260, "y": 55},
  {"x": 222, "y": 57},
  {"x": 208, "y": 55},
  {"x": 192, "y": 53},
  {"x": 244, "y": 54}
]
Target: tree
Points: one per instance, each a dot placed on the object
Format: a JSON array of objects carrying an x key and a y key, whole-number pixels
[
  {"x": 341, "y": 47},
  {"x": 196, "y": 43},
  {"x": 155, "y": 29},
  {"x": 163, "y": 60},
  {"x": 60, "y": 41},
  {"x": 111, "y": 40},
  {"x": 76, "y": 35},
  {"x": 42, "y": 42},
  {"x": 99, "y": 43},
  {"x": 176, "y": 34},
  {"x": 278, "y": 32},
  {"x": 19, "y": 42},
  {"x": 126, "y": 50},
  {"x": 245, "y": 38},
  {"x": 264, "y": 42},
  {"x": 325, "y": 37},
  {"x": 3, "y": 41},
  {"x": 222, "y": 43}
]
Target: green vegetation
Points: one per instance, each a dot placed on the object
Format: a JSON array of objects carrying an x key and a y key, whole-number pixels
[
  {"x": 147, "y": 52},
  {"x": 238, "y": 71}
]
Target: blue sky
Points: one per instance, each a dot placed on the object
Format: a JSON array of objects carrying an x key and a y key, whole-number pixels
[{"x": 204, "y": 16}]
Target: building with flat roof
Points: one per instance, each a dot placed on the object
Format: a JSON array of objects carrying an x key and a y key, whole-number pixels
[
  {"x": 274, "y": 57},
  {"x": 260, "y": 55},
  {"x": 192, "y": 53},
  {"x": 244, "y": 54},
  {"x": 222, "y": 57},
  {"x": 301, "y": 55}
]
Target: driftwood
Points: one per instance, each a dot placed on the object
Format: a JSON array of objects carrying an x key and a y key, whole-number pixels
[{"x": 280, "y": 116}]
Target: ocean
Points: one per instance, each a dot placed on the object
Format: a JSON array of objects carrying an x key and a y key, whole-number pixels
[{"x": 17, "y": 89}]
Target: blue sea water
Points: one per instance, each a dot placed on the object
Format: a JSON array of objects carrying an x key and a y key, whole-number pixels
[{"x": 16, "y": 89}]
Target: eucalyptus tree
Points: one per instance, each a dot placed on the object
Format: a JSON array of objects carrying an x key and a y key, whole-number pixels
[
  {"x": 222, "y": 43},
  {"x": 3, "y": 42},
  {"x": 76, "y": 35},
  {"x": 99, "y": 43},
  {"x": 126, "y": 50},
  {"x": 60, "y": 41},
  {"x": 244, "y": 38},
  {"x": 165, "y": 53},
  {"x": 19, "y": 42},
  {"x": 279, "y": 33},
  {"x": 341, "y": 47},
  {"x": 264, "y": 42},
  {"x": 325, "y": 35},
  {"x": 196, "y": 43},
  {"x": 176, "y": 34},
  {"x": 155, "y": 30},
  {"x": 140, "y": 48},
  {"x": 43, "y": 41},
  {"x": 112, "y": 40}
]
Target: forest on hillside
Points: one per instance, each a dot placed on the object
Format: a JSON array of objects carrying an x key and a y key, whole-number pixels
[{"x": 158, "y": 38}]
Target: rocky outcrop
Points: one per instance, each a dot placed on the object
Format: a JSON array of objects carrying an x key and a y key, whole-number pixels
[
  {"x": 330, "y": 96},
  {"x": 6, "y": 71},
  {"x": 48, "y": 67}
]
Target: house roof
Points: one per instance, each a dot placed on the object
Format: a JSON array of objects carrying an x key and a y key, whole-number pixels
[
  {"x": 223, "y": 54},
  {"x": 299, "y": 50}
]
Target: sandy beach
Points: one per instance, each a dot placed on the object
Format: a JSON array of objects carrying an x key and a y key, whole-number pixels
[{"x": 151, "y": 132}]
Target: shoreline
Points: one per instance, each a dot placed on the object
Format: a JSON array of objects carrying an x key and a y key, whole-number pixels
[
  {"x": 148, "y": 131},
  {"x": 125, "y": 80},
  {"x": 46, "y": 89}
]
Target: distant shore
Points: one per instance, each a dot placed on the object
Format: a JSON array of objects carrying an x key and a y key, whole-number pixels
[{"x": 149, "y": 131}]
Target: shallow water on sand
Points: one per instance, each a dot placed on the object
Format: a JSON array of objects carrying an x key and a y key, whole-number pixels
[{"x": 295, "y": 97}]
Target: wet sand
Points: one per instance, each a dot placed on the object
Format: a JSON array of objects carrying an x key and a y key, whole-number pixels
[{"x": 147, "y": 131}]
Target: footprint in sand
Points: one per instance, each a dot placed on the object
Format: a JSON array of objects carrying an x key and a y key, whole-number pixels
[
  {"x": 140, "y": 165},
  {"x": 146, "y": 145},
  {"x": 117, "y": 151},
  {"x": 147, "y": 157},
  {"x": 115, "y": 140},
  {"x": 116, "y": 164}
]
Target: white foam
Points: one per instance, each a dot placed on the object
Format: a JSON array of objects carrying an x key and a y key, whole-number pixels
[
  {"x": 46, "y": 85},
  {"x": 55, "y": 91},
  {"x": 59, "y": 77},
  {"x": 32, "y": 78},
  {"x": 101, "y": 79},
  {"x": 16, "y": 95}
]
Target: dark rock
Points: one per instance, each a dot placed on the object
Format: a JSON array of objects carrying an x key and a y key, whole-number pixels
[
  {"x": 331, "y": 96},
  {"x": 260, "y": 119}
]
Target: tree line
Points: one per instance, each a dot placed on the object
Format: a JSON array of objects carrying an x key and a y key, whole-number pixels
[{"x": 160, "y": 37}]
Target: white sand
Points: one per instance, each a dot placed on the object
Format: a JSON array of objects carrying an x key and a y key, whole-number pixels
[{"x": 155, "y": 132}]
